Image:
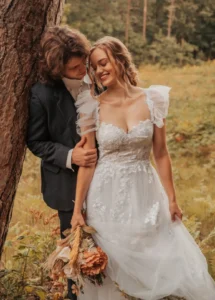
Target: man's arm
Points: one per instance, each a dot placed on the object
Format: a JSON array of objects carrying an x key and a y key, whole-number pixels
[
  {"x": 55, "y": 153},
  {"x": 38, "y": 136}
]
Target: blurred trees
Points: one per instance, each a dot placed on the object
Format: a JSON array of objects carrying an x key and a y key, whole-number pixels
[{"x": 173, "y": 32}]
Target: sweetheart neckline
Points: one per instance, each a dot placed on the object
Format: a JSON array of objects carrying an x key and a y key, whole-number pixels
[{"x": 121, "y": 129}]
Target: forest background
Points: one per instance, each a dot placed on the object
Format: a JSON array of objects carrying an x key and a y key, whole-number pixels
[{"x": 172, "y": 43}]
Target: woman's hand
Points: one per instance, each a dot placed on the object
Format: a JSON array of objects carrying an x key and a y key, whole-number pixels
[
  {"x": 175, "y": 211},
  {"x": 77, "y": 219}
]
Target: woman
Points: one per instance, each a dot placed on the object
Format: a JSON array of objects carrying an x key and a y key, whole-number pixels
[{"x": 138, "y": 221}]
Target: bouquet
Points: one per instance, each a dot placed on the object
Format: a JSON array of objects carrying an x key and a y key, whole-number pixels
[{"x": 77, "y": 257}]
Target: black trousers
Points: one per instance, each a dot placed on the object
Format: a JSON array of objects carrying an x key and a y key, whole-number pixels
[{"x": 65, "y": 219}]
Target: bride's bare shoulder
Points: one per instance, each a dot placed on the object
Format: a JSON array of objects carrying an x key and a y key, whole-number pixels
[{"x": 137, "y": 92}]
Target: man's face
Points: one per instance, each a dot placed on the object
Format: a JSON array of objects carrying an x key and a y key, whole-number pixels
[{"x": 75, "y": 68}]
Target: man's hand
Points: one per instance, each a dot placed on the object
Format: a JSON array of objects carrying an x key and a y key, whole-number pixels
[{"x": 84, "y": 157}]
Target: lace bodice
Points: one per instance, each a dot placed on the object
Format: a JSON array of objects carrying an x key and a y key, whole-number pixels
[{"x": 116, "y": 145}]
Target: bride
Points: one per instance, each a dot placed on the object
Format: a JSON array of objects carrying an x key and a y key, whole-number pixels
[{"x": 132, "y": 206}]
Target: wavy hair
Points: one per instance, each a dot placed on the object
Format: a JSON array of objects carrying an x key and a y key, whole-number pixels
[
  {"x": 119, "y": 56},
  {"x": 58, "y": 45}
]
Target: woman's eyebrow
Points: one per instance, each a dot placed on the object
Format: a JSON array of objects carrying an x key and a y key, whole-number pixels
[
  {"x": 99, "y": 61},
  {"x": 102, "y": 59}
]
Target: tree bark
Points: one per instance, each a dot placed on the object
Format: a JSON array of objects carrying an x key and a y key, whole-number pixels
[
  {"x": 170, "y": 17},
  {"x": 127, "y": 25},
  {"x": 144, "y": 19},
  {"x": 21, "y": 26}
]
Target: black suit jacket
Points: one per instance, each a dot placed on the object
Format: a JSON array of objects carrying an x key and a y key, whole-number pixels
[{"x": 51, "y": 134}]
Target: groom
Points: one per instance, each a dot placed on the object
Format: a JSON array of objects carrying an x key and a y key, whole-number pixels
[{"x": 52, "y": 132}]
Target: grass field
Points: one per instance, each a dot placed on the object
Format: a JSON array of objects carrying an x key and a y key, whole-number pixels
[{"x": 191, "y": 142}]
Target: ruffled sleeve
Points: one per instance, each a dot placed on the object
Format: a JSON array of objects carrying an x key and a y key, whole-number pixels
[
  {"x": 158, "y": 101},
  {"x": 87, "y": 110}
]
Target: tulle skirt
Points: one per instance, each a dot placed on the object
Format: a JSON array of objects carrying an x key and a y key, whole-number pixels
[{"x": 149, "y": 256}]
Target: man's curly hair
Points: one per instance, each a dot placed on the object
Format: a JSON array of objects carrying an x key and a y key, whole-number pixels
[{"x": 58, "y": 45}]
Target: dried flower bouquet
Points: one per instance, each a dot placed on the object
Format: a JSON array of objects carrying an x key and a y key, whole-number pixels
[{"x": 77, "y": 257}]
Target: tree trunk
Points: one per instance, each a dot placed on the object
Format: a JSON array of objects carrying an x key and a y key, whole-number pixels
[
  {"x": 21, "y": 26},
  {"x": 144, "y": 19},
  {"x": 127, "y": 26},
  {"x": 170, "y": 17}
]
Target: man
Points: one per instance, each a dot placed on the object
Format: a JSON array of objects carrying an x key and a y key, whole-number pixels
[{"x": 52, "y": 132}]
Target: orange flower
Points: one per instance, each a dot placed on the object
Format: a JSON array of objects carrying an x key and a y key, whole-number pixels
[{"x": 94, "y": 262}]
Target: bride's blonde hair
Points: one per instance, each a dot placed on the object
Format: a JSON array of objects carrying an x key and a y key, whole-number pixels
[{"x": 118, "y": 55}]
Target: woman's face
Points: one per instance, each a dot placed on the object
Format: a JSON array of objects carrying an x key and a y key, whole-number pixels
[{"x": 103, "y": 68}]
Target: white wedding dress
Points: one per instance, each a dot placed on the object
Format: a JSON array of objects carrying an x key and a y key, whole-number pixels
[{"x": 150, "y": 257}]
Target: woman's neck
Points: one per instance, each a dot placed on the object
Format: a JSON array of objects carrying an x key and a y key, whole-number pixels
[{"x": 120, "y": 90}]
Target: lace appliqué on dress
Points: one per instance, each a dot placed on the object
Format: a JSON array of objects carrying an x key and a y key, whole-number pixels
[
  {"x": 121, "y": 208},
  {"x": 152, "y": 215}
]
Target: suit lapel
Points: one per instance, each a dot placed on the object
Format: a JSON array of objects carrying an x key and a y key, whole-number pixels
[{"x": 66, "y": 106}]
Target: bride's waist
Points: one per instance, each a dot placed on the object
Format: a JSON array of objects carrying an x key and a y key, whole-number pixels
[
  {"x": 124, "y": 157},
  {"x": 126, "y": 162}
]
